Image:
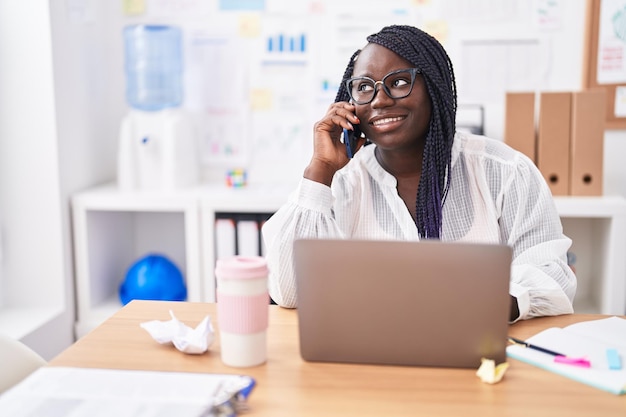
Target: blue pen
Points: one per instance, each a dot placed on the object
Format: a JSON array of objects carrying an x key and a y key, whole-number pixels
[
  {"x": 535, "y": 347},
  {"x": 558, "y": 357}
]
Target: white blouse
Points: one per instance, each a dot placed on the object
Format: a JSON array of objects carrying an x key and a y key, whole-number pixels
[{"x": 496, "y": 195}]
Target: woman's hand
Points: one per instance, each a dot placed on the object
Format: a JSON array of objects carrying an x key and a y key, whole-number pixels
[
  {"x": 514, "y": 314},
  {"x": 329, "y": 153}
]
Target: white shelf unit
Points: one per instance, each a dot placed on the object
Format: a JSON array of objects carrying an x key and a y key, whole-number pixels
[
  {"x": 112, "y": 229},
  {"x": 597, "y": 227},
  {"x": 218, "y": 199}
]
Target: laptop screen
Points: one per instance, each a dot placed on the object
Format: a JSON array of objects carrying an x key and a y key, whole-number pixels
[{"x": 427, "y": 303}]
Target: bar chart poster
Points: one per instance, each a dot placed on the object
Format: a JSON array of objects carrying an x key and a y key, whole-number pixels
[
  {"x": 285, "y": 48},
  {"x": 284, "y": 43}
]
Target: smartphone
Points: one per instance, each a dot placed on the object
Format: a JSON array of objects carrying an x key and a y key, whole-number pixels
[{"x": 351, "y": 140}]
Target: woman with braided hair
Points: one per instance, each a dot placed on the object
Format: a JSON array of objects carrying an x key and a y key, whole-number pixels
[{"x": 418, "y": 178}]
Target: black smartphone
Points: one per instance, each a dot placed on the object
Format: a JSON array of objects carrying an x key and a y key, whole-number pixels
[{"x": 351, "y": 140}]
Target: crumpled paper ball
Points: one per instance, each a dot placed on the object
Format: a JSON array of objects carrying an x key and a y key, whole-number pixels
[{"x": 184, "y": 338}]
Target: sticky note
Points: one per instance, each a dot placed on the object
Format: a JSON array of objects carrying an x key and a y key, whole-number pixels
[
  {"x": 134, "y": 7},
  {"x": 261, "y": 99},
  {"x": 489, "y": 373},
  {"x": 613, "y": 358},
  {"x": 249, "y": 25},
  {"x": 438, "y": 29},
  {"x": 258, "y": 5},
  {"x": 620, "y": 102}
]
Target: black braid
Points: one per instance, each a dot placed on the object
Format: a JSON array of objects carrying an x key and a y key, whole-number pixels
[
  {"x": 342, "y": 93},
  {"x": 427, "y": 54}
]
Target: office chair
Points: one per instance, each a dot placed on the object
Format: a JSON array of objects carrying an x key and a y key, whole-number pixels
[{"x": 17, "y": 361}]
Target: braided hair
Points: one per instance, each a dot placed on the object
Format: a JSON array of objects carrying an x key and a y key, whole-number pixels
[{"x": 427, "y": 54}]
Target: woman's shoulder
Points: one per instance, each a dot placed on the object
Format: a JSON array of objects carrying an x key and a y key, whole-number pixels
[{"x": 478, "y": 146}]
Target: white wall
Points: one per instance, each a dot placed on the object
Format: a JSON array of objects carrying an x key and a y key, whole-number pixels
[
  {"x": 29, "y": 179},
  {"x": 614, "y": 166},
  {"x": 57, "y": 136},
  {"x": 36, "y": 266}
]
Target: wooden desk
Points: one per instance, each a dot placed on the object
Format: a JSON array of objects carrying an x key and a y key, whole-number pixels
[{"x": 289, "y": 386}]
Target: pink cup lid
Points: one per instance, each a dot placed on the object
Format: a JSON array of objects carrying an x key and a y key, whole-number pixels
[{"x": 241, "y": 267}]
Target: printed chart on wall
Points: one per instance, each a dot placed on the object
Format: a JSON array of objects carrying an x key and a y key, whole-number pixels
[
  {"x": 606, "y": 28},
  {"x": 222, "y": 105},
  {"x": 280, "y": 90}
]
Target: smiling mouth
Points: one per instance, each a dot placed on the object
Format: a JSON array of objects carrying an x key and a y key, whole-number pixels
[{"x": 386, "y": 120}]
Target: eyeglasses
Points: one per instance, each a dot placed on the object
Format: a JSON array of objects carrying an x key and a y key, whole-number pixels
[{"x": 397, "y": 84}]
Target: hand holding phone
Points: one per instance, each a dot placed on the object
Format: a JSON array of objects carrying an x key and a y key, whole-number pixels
[{"x": 351, "y": 140}]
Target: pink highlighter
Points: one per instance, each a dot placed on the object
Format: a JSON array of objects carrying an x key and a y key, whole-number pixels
[{"x": 581, "y": 362}]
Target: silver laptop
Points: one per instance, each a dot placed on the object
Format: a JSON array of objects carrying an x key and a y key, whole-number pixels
[{"x": 427, "y": 303}]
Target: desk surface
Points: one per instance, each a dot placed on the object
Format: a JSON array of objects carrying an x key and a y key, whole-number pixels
[{"x": 289, "y": 386}]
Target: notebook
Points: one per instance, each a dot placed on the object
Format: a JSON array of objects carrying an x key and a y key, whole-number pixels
[
  {"x": 602, "y": 342},
  {"x": 427, "y": 303}
]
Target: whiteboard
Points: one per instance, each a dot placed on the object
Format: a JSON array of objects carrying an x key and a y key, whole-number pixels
[{"x": 259, "y": 73}]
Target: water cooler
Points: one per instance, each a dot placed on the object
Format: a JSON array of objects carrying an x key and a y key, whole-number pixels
[{"x": 157, "y": 143}]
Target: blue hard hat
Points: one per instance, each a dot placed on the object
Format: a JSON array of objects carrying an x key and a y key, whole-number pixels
[{"x": 153, "y": 277}]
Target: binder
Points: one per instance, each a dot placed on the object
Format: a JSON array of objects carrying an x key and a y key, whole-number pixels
[
  {"x": 225, "y": 243},
  {"x": 247, "y": 238},
  {"x": 519, "y": 128},
  {"x": 261, "y": 240},
  {"x": 553, "y": 140},
  {"x": 587, "y": 142}
]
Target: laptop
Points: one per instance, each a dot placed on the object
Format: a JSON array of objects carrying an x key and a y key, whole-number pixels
[{"x": 426, "y": 303}]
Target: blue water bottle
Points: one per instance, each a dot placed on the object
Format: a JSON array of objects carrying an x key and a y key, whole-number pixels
[{"x": 153, "y": 63}]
